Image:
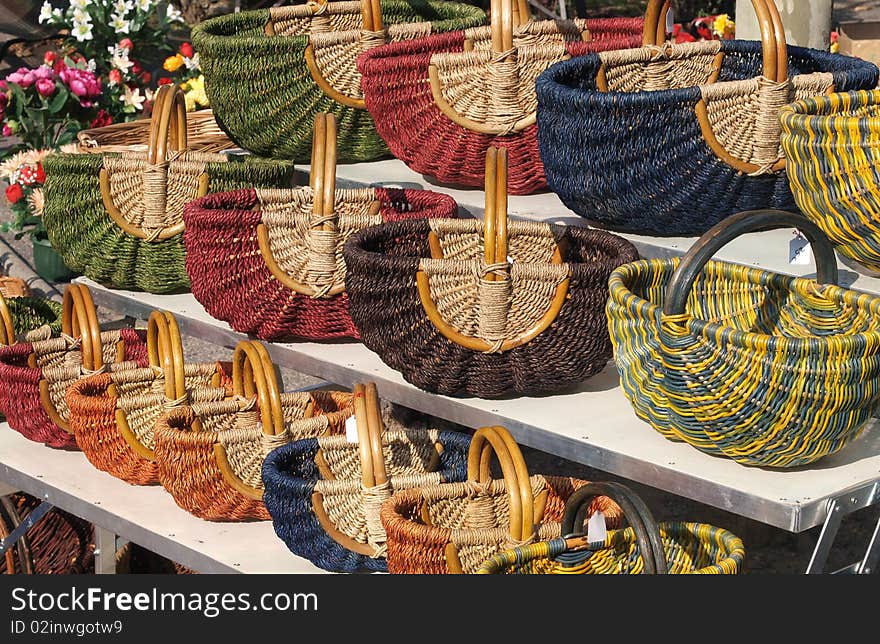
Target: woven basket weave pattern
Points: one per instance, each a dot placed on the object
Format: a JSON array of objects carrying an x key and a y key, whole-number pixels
[
  {"x": 264, "y": 97},
  {"x": 226, "y": 267},
  {"x": 399, "y": 97},
  {"x": 386, "y": 308},
  {"x": 765, "y": 368},
  {"x": 30, "y": 313},
  {"x": 88, "y": 240},
  {"x": 660, "y": 177}
]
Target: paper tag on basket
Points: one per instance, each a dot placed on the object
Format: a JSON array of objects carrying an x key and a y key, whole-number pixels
[
  {"x": 596, "y": 529},
  {"x": 670, "y": 21},
  {"x": 351, "y": 430},
  {"x": 799, "y": 251}
]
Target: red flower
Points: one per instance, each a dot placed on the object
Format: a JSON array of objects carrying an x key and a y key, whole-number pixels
[
  {"x": 14, "y": 193},
  {"x": 136, "y": 68},
  {"x": 59, "y": 66},
  {"x": 146, "y": 77},
  {"x": 41, "y": 174},
  {"x": 103, "y": 118},
  {"x": 164, "y": 81},
  {"x": 50, "y": 58},
  {"x": 126, "y": 43},
  {"x": 115, "y": 76},
  {"x": 187, "y": 50}
]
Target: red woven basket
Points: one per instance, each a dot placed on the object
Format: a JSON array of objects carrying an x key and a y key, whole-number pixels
[
  {"x": 34, "y": 376},
  {"x": 440, "y": 102},
  {"x": 269, "y": 262}
]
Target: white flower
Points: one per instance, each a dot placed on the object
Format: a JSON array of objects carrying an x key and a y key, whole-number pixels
[
  {"x": 173, "y": 14},
  {"x": 119, "y": 24},
  {"x": 119, "y": 58},
  {"x": 122, "y": 7},
  {"x": 46, "y": 12},
  {"x": 81, "y": 16},
  {"x": 144, "y": 5},
  {"x": 91, "y": 66},
  {"x": 82, "y": 31},
  {"x": 133, "y": 98},
  {"x": 80, "y": 4},
  {"x": 192, "y": 63}
]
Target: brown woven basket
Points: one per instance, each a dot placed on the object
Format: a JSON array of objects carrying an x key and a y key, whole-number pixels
[
  {"x": 450, "y": 528},
  {"x": 112, "y": 415},
  {"x": 210, "y": 453},
  {"x": 203, "y": 134},
  {"x": 13, "y": 287}
]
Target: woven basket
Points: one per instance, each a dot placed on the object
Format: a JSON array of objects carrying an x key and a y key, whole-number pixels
[
  {"x": 268, "y": 72},
  {"x": 35, "y": 374},
  {"x": 112, "y": 415},
  {"x": 642, "y": 548},
  {"x": 670, "y": 139},
  {"x": 13, "y": 287},
  {"x": 118, "y": 218},
  {"x": 202, "y": 135},
  {"x": 441, "y": 102},
  {"x": 450, "y": 528},
  {"x": 24, "y": 314},
  {"x": 286, "y": 245},
  {"x": 210, "y": 453},
  {"x": 737, "y": 361},
  {"x": 832, "y": 144},
  {"x": 460, "y": 313},
  {"x": 58, "y": 544},
  {"x": 325, "y": 494}
]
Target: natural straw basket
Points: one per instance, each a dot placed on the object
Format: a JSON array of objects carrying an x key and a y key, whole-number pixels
[
  {"x": 24, "y": 314},
  {"x": 203, "y": 134},
  {"x": 210, "y": 453},
  {"x": 286, "y": 246},
  {"x": 670, "y": 139},
  {"x": 34, "y": 375},
  {"x": 112, "y": 415},
  {"x": 488, "y": 309},
  {"x": 642, "y": 548},
  {"x": 118, "y": 218},
  {"x": 13, "y": 287},
  {"x": 325, "y": 494},
  {"x": 832, "y": 144},
  {"x": 268, "y": 72},
  {"x": 450, "y": 528},
  {"x": 441, "y": 102},
  {"x": 757, "y": 366}
]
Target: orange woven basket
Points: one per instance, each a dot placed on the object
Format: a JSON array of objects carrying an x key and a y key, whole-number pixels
[
  {"x": 112, "y": 415},
  {"x": 451, "y": 528},
  {"x": 210, "y": 454}
]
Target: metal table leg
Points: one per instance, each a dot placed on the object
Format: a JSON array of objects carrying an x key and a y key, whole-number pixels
[{"x": 838, "y": 508}]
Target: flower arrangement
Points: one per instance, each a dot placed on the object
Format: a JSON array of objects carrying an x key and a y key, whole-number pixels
[{"x": 186, "y": 72}]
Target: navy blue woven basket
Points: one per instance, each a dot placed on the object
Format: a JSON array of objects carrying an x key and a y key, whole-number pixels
[
  {"x": 292, "y": 474},
  {"x": 668, "y": 140}
]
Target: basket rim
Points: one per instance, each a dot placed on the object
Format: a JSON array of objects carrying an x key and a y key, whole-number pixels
[
  {"x": 831, "y": 111},
  {"x": 621, "y": 295}
]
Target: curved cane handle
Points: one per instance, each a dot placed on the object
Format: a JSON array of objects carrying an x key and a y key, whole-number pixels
[
  {"x": 253, "y": 373},
  {"x": 170, "y": 353},
  {"x": 682, "y": 281},
  {"x": 168, "y": 125},
  {"x": 637, "y": 515},
  {"x": 502, "y": 25},
  {"x": 376, "y": 429},
  {"x": 368, "y": 479},
  {"x": 7, "y": 325},
  {"x": 79, "y": 319},
  {"x": 371, "y": 10}
]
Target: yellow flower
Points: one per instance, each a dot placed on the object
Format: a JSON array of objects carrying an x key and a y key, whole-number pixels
[
  {"x": 173, "y": 63},
  {"x": 197, "y": 90},
  {"x": 190, "y": 101},
  {"x": 723, "y": 26},
  {"x": 835, "y": 48}
]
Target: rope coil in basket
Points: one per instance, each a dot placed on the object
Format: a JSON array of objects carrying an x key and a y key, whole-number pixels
[
  {"x": 668, "y": 139},
  {"x": 452, "y": 527},
  {"x": 325, "y": 494},
  {"x": 832, "y": 144},
  {"x": 485, "y": 309},
  {"x": 760, "y": 367},
  {"x": 118, "y": 217},
  {"x": 209, "y": 453},
  {"x": 35, "y": 374},
  {"x": 441, "y": 102},
  {"x": 642, "y": 548},
  {"x": 112, "y": 415},
  {"x": 287, "y": 245},
  {"x": 297, "y": 61}
]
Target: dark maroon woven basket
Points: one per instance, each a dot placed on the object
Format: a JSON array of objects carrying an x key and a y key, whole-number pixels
[{"x": 232, "y": 280}]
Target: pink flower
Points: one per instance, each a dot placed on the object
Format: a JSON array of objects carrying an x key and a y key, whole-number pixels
[
  {"x": 45, "y": 86},
  {"x": 82, "y": 84},
  {"x": 126, "y": 43},
  {"x": 43, "y": 72},
  {"x": 24, "y": 77},
  {"x": 15, "y": 77},
  {"x": 7, "y": 131},
  {"x": 115, "y": 77}
]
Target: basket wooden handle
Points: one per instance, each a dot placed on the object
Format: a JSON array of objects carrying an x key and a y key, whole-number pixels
[
  {"x": 376, "y": 429},
  {"x": 368, "y": 479},
  {"x": 495, "y": 217},
  {"x": 168, "y": 125},
  {"x": 497, "y": 440},
  {"x": 166, "y": 352},
  {"x": 502, "y": 25},
  {"x": 637, "y": 514},
  {"x": 254, "y": 374},
  {"x": 371, "y": 10},
  {"x": 79, "y": 319},
  {"x": 682, "y": 281},
  {"x": 322, "y": 177},
  {"x": 7, "y": 325}
]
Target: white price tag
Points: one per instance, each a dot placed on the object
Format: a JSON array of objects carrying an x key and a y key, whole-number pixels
[
  {"x": 596, "y": 528},
  {"x": 351, "y": 430},
  {"x": 799, "y": 251}
]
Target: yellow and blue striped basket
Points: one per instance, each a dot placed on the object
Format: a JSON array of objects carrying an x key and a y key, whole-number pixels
[
  {"x": 691, "y": 548},
  {"x": 832, "y": 144},
  {"x": 763, "y": 368}
]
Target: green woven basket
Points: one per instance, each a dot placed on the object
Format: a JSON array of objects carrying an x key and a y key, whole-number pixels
[
  {"x": 118, "y": 217},
  {"x": 20, "y": 315},
  {"x": 268, "y": 72}
]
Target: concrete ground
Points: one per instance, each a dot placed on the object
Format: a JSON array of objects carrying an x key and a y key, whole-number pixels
[{"x": 769, "y": 550}]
